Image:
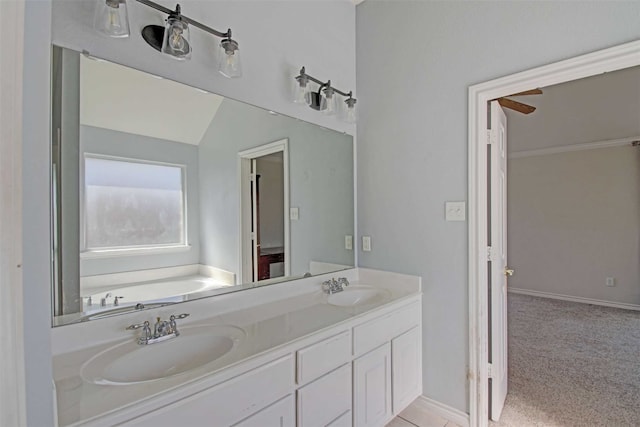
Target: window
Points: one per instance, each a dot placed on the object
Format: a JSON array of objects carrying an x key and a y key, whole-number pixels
[{"x": 132, "y": 204}]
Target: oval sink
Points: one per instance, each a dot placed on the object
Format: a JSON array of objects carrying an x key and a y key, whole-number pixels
[
  {"x": 355, "y": 295},
  {"x": 130, "y": 363}
]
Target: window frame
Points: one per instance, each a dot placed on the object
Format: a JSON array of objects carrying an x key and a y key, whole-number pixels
[{"x": 122, "y": 251}]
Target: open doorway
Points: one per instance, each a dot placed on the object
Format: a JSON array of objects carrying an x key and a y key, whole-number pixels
[
  {"x": 481, "y": 222},
  {"x": 264, "y": 200},
  {"x": 573, "y": 227}
]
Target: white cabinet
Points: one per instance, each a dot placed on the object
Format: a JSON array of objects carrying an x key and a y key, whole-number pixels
[
  {"x": 359, "y": 373},
  {"x": 322, "y": 402},
  {"x": 228, "y": 402},
  {"x": 372, "y": 388},
  {"x": 406, "y": 368},
  {"x": 280, "y": 414}
]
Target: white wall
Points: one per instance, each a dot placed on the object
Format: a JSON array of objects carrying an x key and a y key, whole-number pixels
[
  {"x": 276, "y": 38},
  {"x": 415, "y": 62},
  {"x": 574, "y": 219}
]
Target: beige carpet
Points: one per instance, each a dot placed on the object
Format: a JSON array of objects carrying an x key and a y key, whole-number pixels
[{"x": 571, "y": 364}]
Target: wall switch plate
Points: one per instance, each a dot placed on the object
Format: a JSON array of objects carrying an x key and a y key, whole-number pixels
[
  {"x": 348, "y": 242},
  {"x": 366, "y": 243},
  {"x": 610, "y": 281},
  {"x": 294, "y": 214},
  {"x": 455, "y": 211}
]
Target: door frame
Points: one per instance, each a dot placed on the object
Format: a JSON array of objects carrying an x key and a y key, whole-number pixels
[
  {"x": 13, "y": 400},
  {"x": 607, "y": 60},
  {"x": 244, "y": 170}
]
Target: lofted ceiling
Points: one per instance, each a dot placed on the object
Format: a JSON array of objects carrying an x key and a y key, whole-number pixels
[
  {"x": 127, "y": 100},
  {"x": 597, "y": 108}
]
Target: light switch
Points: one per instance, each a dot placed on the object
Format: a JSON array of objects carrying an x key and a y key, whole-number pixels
[
  {"x": 294, "y": 214},
  {"x": 348, "y": 242},
  {"x": 455, "y": 211},
  {"x": 366, "y": 243}
]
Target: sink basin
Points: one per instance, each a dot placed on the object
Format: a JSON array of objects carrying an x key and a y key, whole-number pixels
[
  {"x": 131, "y": 363},
  {"x": 356, "y": 295}
]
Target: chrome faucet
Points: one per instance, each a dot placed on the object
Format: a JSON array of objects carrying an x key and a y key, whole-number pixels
[
  {"x": 162, "y": 330},
  {"x": 332, "y": 286},
  {"x": 103, "y": 300}
]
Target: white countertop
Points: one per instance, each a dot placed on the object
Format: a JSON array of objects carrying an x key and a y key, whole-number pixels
[{"x": 267, "y": 326}]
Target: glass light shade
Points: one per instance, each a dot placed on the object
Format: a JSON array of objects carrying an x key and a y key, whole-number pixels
[
  {"x": 328, "y": 103},
  {"x": 302, "y": 91},
  {"x": 349, "y": 114},
  {"x": 176, "y": 41},
  {"x": 229, "y": 64},
  {"x": 111, "y": 18}
]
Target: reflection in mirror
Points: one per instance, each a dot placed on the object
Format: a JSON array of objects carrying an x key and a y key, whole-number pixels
[{"x": 163, "y": 193}]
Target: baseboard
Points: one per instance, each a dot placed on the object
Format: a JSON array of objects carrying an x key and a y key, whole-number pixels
[
  {"x": 571, "y": 298},
  {"x": 445, "y": 411}
]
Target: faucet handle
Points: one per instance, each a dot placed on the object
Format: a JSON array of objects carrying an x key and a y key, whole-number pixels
[
  {"x": 180, "y": 316},
  {"x": 343, "y": 281},
  {"x": 138, "y": 325},
  {"x": 116, "y": 301}
]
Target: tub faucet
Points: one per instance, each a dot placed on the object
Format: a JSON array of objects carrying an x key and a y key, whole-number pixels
[{"x": 103, "y": 300}]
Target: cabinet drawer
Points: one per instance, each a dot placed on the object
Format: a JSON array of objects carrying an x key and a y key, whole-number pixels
[
  {"x": 324, "y": 400},
  {"x": 322, "y": 357},
  {"x": 229, "y": 402},
  {"x": 344, "y": 420},
  {"x": 281, "y": 413},
  {"x": 376, "y": 332}
]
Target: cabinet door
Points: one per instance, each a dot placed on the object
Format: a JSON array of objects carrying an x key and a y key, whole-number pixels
[
  {"x": 372, "y": 388},
  {"x": 406, "y": 369},
  {"x": 280, "y": 414}
]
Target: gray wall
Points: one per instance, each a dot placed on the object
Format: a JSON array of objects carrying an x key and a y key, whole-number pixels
[
  {"x": 113, "y": 143},
  {"x": 272, "y": 200},
  {"x": 320, "y": 176},
  {"x": 574, "y": 219},
  {"x": 415, "y": 62}
]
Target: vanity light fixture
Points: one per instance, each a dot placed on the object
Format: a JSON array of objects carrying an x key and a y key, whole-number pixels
[
  {"x": 172, "y": 39},
  {"x": 324, "y": 99}
]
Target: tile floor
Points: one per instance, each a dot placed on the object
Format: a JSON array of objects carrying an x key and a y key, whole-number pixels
[{"x": 418, "y": 417}]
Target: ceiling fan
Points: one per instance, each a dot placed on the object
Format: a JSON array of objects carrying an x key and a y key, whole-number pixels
[{"x": 519, "y": 106}]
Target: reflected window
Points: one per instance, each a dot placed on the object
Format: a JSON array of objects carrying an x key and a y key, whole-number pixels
[{"x": 132, "y": 204}]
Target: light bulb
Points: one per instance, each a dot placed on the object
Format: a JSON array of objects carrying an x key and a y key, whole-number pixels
[
  {"x": 111, "y": 18},
  {"x": 176, "y": 38},
  {"x": 229, "y": 64}
]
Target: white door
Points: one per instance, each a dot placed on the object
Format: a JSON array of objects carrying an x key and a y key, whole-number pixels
[{"x": 498, "y": 261}]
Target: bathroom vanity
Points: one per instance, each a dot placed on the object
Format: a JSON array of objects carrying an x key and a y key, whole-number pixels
[{"x": 292, "y": 356}]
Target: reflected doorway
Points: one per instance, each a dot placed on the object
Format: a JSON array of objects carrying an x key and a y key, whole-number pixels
[{"x": 264, "y": 202}]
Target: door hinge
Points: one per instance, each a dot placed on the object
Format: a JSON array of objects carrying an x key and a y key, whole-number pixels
[
  {"x": 252, "y": 177},
  {"x": 253, "y": 235},
  {"x": 489, "y": 253},
  {"x": 490, "y": 370},
  {"x": 490, "y": 137}
]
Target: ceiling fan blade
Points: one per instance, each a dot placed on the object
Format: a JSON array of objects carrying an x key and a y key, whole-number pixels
[
  {"x": 517, "y": 106},
  {"x": 528, "y": 92}
]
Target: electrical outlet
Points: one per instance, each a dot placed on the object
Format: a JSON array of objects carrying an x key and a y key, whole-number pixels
[
  {"x": 366, "y": 243},
  {"x": 610, "y": 281},
  {"x": 348, "y": 242}
]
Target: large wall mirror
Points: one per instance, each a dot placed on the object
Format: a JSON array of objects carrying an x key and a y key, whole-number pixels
[{"x": 162, "y": 193}]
